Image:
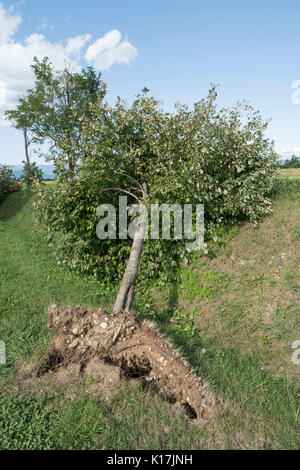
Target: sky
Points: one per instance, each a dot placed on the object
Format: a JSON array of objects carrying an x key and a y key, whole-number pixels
[{"x": 177, "y": 48}]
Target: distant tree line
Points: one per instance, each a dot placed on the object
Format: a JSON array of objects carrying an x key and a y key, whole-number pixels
[{"x": 293, "y": 162}]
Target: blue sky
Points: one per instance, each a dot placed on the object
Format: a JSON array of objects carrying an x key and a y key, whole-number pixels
[{"x": 175, "y": 47}]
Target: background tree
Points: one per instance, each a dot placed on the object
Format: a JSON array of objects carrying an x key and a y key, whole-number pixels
[
  {"x": 293, "y": 162},
  {"x": 61, "y": 102},
  {"x": 54, "y": 110},
  {"x": 22, "y": 118},
  {"x": 31, "y": 173}
]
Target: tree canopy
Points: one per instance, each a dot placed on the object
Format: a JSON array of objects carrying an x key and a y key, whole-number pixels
[
  {"x": 55, "y": 108},
  {"x": 218, "y": 157}
]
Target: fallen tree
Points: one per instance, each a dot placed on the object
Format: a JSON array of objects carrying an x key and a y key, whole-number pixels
[
  {"x": 220, "y": 158},
  {"x": 200, "y": 156}
]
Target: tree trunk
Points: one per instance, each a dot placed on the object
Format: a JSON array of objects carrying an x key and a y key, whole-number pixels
[
  {"x": 28, "y": 182},
  {"x": 71, "y": 166},
  {"x": 126, "y": 290}
]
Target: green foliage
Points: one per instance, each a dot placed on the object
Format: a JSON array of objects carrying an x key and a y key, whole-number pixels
[
  {"x": 25, "y": 424},
  {"x": 205, "y": 155},
  {"x": 185, "y": 323},
  {"x": 55, "y": 108},
  {"x": 8, "y": 183},
  {"x": 31, "y": 173},
  {"x": 22, "y": 117},
  {"x": 60, "y": 102}
]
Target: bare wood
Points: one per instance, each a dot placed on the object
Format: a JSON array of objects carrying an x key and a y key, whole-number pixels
[
  {"x": 122, "y": 191},
  {"x": 27, "y": 156},
  {"x": 126, "y": 291}
]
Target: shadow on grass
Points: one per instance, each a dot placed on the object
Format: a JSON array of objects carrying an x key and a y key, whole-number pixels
[{"x": 13, "y": 204}]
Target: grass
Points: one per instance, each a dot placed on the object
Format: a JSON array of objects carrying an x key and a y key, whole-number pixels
[
  {"x": 135, "y": 419},
  {"x": 25, "y": 424},
  {"x": 30, "y": 280},
  {"x": 216, "y": 317},
  {"x": 247, "y": 294}
]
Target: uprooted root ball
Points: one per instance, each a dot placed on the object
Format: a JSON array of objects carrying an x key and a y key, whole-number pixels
[{"x": 81, "y": 335}]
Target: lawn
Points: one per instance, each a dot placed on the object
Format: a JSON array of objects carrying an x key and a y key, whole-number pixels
[{"x": 233, "y": 316}]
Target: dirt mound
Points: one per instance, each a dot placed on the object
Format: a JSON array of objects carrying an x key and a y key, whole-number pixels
[{"x": 99, "y": 342}]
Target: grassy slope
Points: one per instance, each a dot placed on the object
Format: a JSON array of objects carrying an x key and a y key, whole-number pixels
[
  {"x": 228, "y": 351},
  {"x": 248, "y": 294},
  {"x": 30, "y": 280}
]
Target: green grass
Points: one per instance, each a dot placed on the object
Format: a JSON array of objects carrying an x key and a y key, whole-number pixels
[
  {"x": 246, "y": 293},
  {"x": 270, "y": 404},
  {"x": 26, "y": 424},
  {"x": 30, "y": 280},
  {"x": 135, "y": 419},
  {"x": 264, "y": 410},
  {"x": 269, "y": 407}
]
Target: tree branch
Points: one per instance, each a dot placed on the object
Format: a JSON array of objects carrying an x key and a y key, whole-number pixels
[{"x": 122, "y": 191}]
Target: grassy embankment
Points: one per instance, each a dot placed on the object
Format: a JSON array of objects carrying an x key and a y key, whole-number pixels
[{"x": 234, "y": 316}]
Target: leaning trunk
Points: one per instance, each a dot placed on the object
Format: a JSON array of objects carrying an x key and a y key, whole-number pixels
[{"x": 126, "y": 291}]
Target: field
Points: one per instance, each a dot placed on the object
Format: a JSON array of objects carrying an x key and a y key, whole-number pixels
[
  {"x": 290, "y": 172},
  {"x": 233, "y": 316}
]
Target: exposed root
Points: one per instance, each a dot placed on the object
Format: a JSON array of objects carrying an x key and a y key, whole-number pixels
[{"x": 79, "y": 335}]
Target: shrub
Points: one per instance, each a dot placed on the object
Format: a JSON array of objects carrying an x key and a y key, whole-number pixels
[{"x": 8, "y": 183}]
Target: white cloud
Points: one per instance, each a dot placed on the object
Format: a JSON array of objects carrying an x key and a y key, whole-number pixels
[
  {"x": 75, "y": 45},
  {"x": 108, "y": 50},
  {"x": 13, "y": 6},
  {"x": 108, "y": 42},
  {"x": 16, "y": 75},
  {"x": 43, "y": 24},
  {"x": 9, "y": 24},
  {"x": 289, "y": 152},
  {"x": 16, "y": 56}
]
